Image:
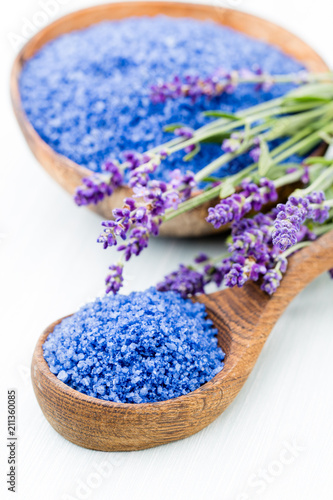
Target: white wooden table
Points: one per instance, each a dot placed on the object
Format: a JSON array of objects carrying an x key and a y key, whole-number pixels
[{"x": 275, "y": 441}]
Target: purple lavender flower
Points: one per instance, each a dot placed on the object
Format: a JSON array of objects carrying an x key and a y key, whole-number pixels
[
  {"x": 244, "y": 270},
  {"x": 142, "y": 166},
  {"x": 166, "y": 90},
  {"x": 118, "y": 227},
  {"x": 268, "y": 192},
  {"x": 186, "y": 281},
  {"x": 255, "y": 154},
  {"x": 233, "y": 208},
  {"x": 293, "y": 214},
  {"x": 108, "y": 237},
  {"x": 114, "y": 280},
  {"x": 190, "y": 148},
  {"x": 251, "y": 244},
  {"x": 216, "y": 273},
  {"x": 221, "y": 81},
  {"x": 305, "y": 234},
  {"x": 112, "y": 167},
  {"x": 185, "y": 132},
  {"x": 306, "y": 175},
  {"x": 249, "y": 239},
  {"x": 172, "y": 199},
  {"x": 245, "y": 263},
  {"x": 183, "y": 183},
  {"x": 288, "y": 222},
  {"x": 187, "y": 185},
  {"x": 138, "y": 240},
  {"x": 236, "y": 276},
  {"x": 318, "y": 211},
  {"x": 176, "y": 178},
  {"x": 233, "y": 144},
  {"x": 202, "y": 257},
  {"x": 271, "y": 281},
  {"x": 267, "y": 80},
  {"x": 141, "y": 216},
  {"x": 133, "y": 159},
  {"x": 96, "y": 187},
  {"x": 139, "y": 175},
  {"x": 252, "y": 257},
  {"x": 256, "y": 270}
]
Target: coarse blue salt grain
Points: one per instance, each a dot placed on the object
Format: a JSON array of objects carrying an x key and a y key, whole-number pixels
[
  {"x": 87, "y": 92},
  {"x": 134, "y": 357},
  {"x": 63, "y": 376}
]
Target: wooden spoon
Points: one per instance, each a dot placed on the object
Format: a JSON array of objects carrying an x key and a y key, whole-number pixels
[
  {"x": 244, "y": 318},
  {"x": 68, "y": 173}
]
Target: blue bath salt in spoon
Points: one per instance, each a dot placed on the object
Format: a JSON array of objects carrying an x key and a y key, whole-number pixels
[{"x": 144, "y": 347}]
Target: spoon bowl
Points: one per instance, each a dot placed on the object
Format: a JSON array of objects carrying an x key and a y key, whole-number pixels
[
  {"x": 244, "y": 318},
  {"x": 68, "y": 173}
]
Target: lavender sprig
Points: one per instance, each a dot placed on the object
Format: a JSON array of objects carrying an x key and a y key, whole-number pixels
[
  {"x": 154, "y": 201},
  {"x": 220, "y": 82},
  {"x": 141, "y": 216},
  {"x": 223, "y": 81},
  {"x": 252, "y": 256},
  {"x": 233, "y": 208},
  {"x": 292, "y": 215},
  {"x": 96, "y": 187},
  {"x": 114, "y": 280}
]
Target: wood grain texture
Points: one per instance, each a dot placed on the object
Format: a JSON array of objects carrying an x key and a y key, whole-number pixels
[
  {"x": 244, "y": 318},
  {"x": 69, "y": 174}
]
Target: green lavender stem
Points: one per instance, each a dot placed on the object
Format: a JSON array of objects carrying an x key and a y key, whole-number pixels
[
  {"x": 309, "y": 141},
  {"x": 293, "y": 102},
  {"x": 295, "y": 248},
  {"x": 274, "y": 107},
  {"x": 273, "y": 134}
]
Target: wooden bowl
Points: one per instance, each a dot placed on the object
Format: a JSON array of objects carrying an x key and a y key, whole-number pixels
[
  {"x": 68, "y": 173},
  {"x": 106, "y": 426}
]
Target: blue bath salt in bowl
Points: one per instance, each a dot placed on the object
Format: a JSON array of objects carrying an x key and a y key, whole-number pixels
[
  {"x": 145, "y": 347},
  {"x": 87, "y": 92}
]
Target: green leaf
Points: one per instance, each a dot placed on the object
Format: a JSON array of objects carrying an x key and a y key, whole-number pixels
[
  {"x": 265, "y": 160},
  {"x": 308, "y": 98},
  {"x": 314, "y": 160},
  {"x": 227, "y": 189},
  {"x": 216, "y": 139},
  {"x": 211, "y": 179},
  {"x": 173, "y": 126},
  {"x": 221, "y": 114}
]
